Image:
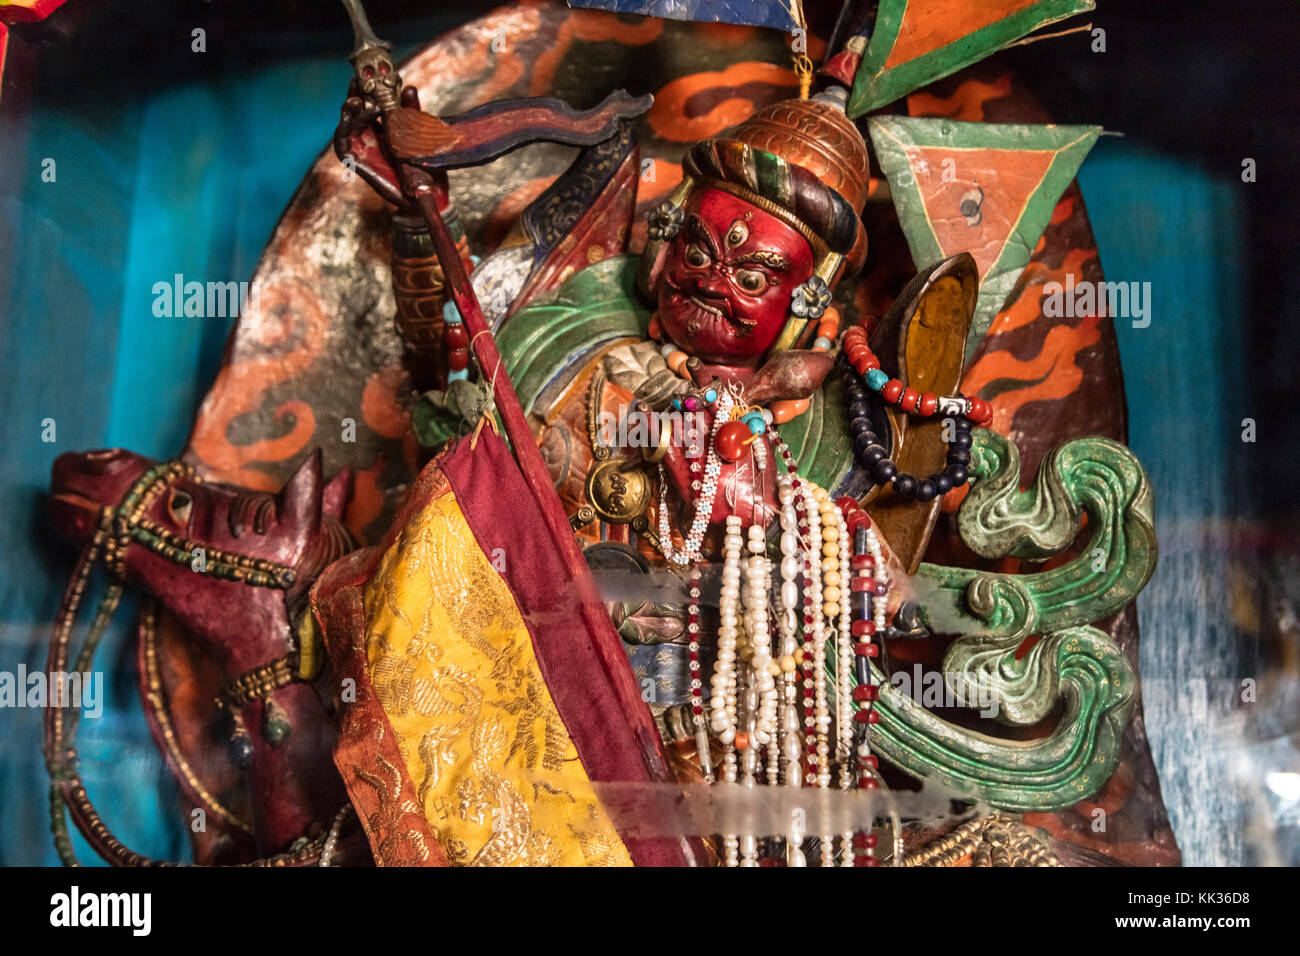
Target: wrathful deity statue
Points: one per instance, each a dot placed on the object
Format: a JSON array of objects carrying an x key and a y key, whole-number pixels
[{"x": 667, "y": 546}]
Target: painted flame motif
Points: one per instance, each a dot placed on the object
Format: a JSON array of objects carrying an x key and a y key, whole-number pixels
[
  {"x": 590, "y": 26},
  {"x": 480, "y": 60},
  {"x": 1053, "y": 373},
  {"x": 677, "y": 119},
  {"x": 966, "y": 102},
  {"x": 289, "y": 315}
]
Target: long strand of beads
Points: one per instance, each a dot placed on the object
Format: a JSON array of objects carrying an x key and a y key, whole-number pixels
[
  {"x": 825, "y": 532},
  {"x": 788, "y": 629},
  {"x": 722, "y": 718},
  {"x": 843, "y": 680},
  {"x": 765, "y": 669},
  {"x": 844, "y": 653},
  {"x": 869, "y": 600},
  {"x": 769, "y": 705},
  {"x": 805, "y": 515},
  {"x": 758, "y": 650},
  {"x": 879, "y": 605},
  {"x": 811, "y": 531},
  {"x": 811, "y": 565},
  {"x": 758, "y": 581},
  {"x": 830, "y": 553},
  {"x": 690, "y": 550},
  {"x": 697, "y": 682}
]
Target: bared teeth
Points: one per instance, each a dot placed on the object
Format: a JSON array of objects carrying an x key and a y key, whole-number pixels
[{"x": 705, "y": 306}]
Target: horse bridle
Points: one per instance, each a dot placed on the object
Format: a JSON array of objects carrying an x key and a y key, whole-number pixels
[{"x": 118, "y": 527}]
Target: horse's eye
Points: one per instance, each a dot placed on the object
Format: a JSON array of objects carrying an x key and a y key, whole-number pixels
[{"x": 179, "y": 506}]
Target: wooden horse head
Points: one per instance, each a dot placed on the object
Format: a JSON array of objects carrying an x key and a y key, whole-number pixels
[{"x": 233, "y": 566}]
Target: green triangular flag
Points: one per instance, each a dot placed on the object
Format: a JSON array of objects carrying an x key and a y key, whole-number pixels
[
  {"x": 915, "y": 42},
  {"x": 984, "y": 188}
]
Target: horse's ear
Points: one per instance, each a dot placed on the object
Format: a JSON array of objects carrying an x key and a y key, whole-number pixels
[
  {"x": 299, "y": 503},
  {"x": 334, "y": 499}
]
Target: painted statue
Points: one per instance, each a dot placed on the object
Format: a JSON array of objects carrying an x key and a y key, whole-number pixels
[{"x": 698, "y": 565}]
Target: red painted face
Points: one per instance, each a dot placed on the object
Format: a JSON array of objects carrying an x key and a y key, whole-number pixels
[{"x": 724, "y": 294}]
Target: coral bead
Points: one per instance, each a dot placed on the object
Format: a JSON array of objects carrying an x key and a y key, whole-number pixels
[
  {"x": 981, "y": 412},
  {"x": 784, "y": 411},
  {"x": 893, "y": 388},
  {"x": 455, "y": 337},
  {"x": 731, "y": 439},
  {"x": 928, "y": 404}
]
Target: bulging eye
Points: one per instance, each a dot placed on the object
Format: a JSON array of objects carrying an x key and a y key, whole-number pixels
[
  {"x": 368, "y": 72},
  {"x": 751, "y": 280},
  {"x": 696, "y": 257},
  {"x": 179, "y": 506}
]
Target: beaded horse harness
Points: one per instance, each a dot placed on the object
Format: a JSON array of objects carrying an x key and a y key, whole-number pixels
[{"x": 118, "y": 528}]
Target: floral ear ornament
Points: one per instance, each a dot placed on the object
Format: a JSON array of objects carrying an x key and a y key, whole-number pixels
[
  {"x": 810, "y": 299},
  {"x": 666, "y": 220}
]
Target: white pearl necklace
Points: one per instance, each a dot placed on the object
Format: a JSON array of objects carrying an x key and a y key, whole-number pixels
[
  {"x": 788, "y": 630},
  {"x": 690, "y": 550},
  {"x": 755, "y": 702},
  {"x": 758, "y": 575},
  {"x": 722, "y": 700}
]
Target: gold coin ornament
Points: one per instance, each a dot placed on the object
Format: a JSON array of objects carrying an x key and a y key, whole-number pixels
[{"x": 618, "y": 495}]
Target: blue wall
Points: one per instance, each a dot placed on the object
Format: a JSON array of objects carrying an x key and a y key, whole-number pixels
[{"x": 1171, "y": 224}]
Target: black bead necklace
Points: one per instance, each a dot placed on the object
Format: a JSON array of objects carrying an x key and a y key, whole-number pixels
[{"x": 871, "y": 454}]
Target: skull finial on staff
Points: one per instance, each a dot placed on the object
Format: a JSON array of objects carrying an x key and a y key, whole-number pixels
[{"x": 377, "y": 77}]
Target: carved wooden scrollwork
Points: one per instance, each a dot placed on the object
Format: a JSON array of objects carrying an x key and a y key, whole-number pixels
[{"x": 995, "y": 613}]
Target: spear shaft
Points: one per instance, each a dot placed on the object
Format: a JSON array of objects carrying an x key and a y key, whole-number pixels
[{"x": 484, "y": 347}]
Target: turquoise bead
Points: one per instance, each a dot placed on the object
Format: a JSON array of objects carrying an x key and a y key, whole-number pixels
[
  {"x": 755, "y": 423},
  {"x": 710, "y": 395},
  {"x": 876, "y": 379},
  {"x": 458, "y": 375},
  {"x": 451, "y": 314}
]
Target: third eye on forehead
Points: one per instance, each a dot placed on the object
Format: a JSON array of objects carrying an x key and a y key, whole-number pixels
[
  {"x": 701, "y": 231},
  {"x": 737, "y": 234}
]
